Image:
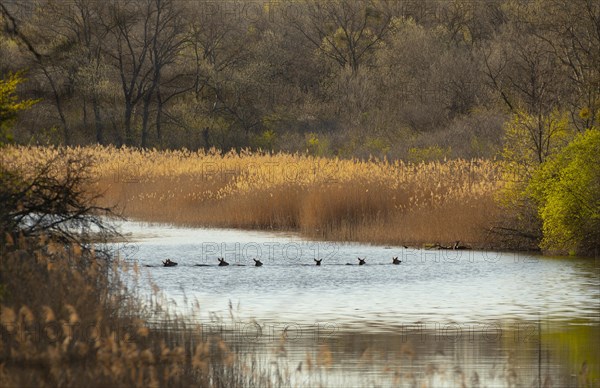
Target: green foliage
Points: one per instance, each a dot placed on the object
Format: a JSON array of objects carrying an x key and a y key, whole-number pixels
[
  {"x": 377, "y": 146},
  {"x": 426, "y": 154},
  {"x": 567, "y": 191},
  {"x": 552, "y": 187},
  {"x": 518, "y": 165},
  {"x": 266, "y": 140},
  {"x": 480, "y": 146},
  {"x": 528, "y": 142},
  {"x": 317, "y": 146},
  {"x": 11, "y": 104}
]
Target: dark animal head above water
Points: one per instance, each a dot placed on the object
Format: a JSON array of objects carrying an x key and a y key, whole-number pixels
[
  {"x": 169, "y": 263},
  {"x": 222, "y": 262},
  {"x": 257, "y": 263},
  {"x": 361, "y": 261},
  {"x": 396, "y": 261},
  {"x": 318, "y": 261}
]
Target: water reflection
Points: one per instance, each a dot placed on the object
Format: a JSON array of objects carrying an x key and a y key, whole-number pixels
[
  {"x": 440, "y": 318},
  {"x": 517, "y": 353}
]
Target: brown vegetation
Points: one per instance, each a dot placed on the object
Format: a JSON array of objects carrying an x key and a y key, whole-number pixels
[
  {"x": 67, "y": 320},
  {"x": 348, "y": 200},
  {"x": 66, "y": 316}
]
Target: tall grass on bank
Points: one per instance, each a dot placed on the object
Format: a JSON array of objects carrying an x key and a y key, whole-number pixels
[
  {"x": 350, "y": 200},
  {"x": 67, "y": 320}
]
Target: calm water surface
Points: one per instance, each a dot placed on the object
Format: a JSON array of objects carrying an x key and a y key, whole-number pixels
[
  {"x": 440, "y": 318},
  {"x": 445, "y": 286}
]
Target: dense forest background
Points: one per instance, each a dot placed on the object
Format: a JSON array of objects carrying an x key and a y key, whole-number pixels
[{"x": 417, "y": 80}]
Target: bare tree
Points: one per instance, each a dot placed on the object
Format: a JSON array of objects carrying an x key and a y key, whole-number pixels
[
  {"x": 53, "y": 199},
  {"x": 344, "y": 31},
  {"x": 166, "y": 39},
  {"x": 85, "y": 22},
  {"x": 49, "y": 53},
  {"x": 571, "y": 30},
  {"x": 130, "y": 27},
  {"x": 530, "y": 81}
]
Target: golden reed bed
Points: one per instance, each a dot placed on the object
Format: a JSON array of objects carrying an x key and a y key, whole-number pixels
[{"x": 373, "y": 201}]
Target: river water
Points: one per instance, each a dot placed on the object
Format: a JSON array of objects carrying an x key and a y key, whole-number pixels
[{"x": 440, "y": 318}]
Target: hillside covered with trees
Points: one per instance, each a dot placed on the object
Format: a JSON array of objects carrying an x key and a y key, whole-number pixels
[
  {"x": 511, "y": 82},
  {"x": 402, "y": 79}
]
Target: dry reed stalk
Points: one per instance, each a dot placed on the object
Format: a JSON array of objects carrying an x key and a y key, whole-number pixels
[{"x": 369, "y": 201}]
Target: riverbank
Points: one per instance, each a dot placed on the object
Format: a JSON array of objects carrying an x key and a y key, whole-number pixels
[
  {"x": 375, "y": 201},
  {"x": 69, "y": 317}
]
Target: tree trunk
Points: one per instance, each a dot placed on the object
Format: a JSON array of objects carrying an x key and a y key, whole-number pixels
[
  {"x": 98, "y": 121},
  {"x": 85, "y": 118},
  {"x": 145, "y": 119},
  {"x": 66, "y": 129},
  {"x": 159, "y": 106},
  {"x": 128, "y": 114}
]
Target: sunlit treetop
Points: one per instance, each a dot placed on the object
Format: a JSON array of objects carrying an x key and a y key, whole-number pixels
[{"x": 11, "y": 104}]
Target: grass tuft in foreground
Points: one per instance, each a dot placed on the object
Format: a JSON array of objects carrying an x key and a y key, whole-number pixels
[{"x": 67, "y": 320}]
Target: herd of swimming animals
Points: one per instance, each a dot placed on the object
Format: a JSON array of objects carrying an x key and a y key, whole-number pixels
[
  {"x": 258, "y": 263},
  {"x": 395, "y": 260}
]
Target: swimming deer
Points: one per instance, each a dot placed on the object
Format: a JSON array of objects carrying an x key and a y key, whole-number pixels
[
  {"x": 396, "y": 261},
  {"x": 318, "y": 261},
  {"x": 257, "y": 263},
  {"x": 222, "y": 262},
  {"x": 361, "y": 261}
]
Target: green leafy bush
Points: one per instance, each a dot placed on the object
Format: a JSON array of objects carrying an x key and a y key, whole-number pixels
[
  {"x": 529, "y": 141},
  {"x": 428, "y": 154},
  {"x": 11, "y": 104},
  {"x": 567, "y": 191}
]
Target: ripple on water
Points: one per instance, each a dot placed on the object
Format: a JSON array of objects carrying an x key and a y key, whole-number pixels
[{"x": 427, "y": 285}]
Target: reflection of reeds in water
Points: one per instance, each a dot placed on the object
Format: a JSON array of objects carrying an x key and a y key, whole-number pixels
[
  {"x": 372, "y": 201},
  {"x": 385, "y": 359}
]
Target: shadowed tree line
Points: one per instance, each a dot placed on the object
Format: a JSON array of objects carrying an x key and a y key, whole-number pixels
[
  {"x": 517, "y": 79},
  {"x": 350, "y": 78}
]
